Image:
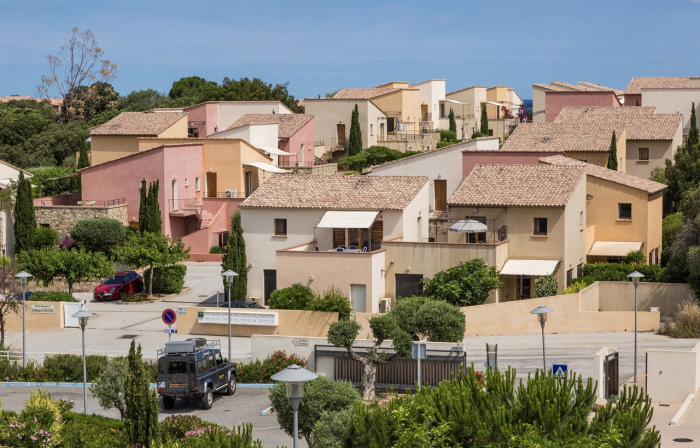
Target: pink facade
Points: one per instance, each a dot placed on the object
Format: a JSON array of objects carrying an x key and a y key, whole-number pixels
[
  {"x": 204, "y": 117},
  {"x": 472, "y": 158},
  {"x": 631, "y": 100},
  {"x": 301, "y": 144},
  {"x": 555, "y": 101}
]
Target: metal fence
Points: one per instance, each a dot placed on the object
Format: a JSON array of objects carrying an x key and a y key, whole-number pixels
[{"x": 60, "y": 201}]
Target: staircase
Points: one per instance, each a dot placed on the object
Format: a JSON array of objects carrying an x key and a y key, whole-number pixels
[{"x": 205, "y": 218}]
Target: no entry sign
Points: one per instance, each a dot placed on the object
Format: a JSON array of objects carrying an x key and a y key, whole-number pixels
[{"x": 169, "y": 316}]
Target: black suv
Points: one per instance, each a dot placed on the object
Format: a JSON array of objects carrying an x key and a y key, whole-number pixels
[{"x": 194, "y": 369}]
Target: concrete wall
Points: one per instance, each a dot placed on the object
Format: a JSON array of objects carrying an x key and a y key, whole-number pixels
[
  {"x": 672, "y": 374},
  {"x": 424, "y": 142},
  {"x": 538, "y": 104},
  {"x": 63, "y": 218},
  {"x": 632, "y": 100},
  {"x": 472, "y": 158},
  {"x": 290, "y": 322},
  {"x": 671, "y": 101},
  {"x": 36, "y": 321},
  {"x": 555, "y": 101},
  {"x": 329, "y": 112},
  {"x": 473, "y": 96},
  {"x": 659, "y": 151},
  {"x": 104, "y": 148},
  {"x": 405, "y": 101},
  {"x": 619, "y": 296},
  {"x": 575, "y": 239},
  {"x": 207, "y": 113},
  {"x": 301, "y": 143}
]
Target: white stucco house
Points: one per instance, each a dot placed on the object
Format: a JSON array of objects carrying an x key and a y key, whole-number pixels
[
  {"x": 8, "y": 174},
  {"x": 324, "y": 231}
]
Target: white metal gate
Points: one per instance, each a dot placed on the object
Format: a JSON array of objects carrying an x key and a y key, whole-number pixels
[{"x": 69, "y": 309}]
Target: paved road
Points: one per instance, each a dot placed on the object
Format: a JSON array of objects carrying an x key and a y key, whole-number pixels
[{"x": 243, "y": 407}]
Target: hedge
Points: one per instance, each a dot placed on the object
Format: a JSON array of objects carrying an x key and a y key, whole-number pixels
[
  {"x": 42, "y": 296},
  {"x": 166, "y": 279}
]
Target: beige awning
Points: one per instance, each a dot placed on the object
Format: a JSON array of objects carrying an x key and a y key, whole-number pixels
[
  {"x": 614, "y": 248},
  {"x": 275, "y": 151},
  {"x": 266, "y": 167},
  {"x": 533, "y": 268},
  {"x": 347, "y": 220}
]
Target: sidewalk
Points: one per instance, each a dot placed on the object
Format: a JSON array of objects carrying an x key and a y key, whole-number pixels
[{"x": 688, "y": 427}]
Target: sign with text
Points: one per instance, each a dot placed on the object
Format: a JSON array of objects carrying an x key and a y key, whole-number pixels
[
  {"x": 43, "y": 309},
  {"x": 300, "y": 342},
  {"x": 238, "y": 318}
]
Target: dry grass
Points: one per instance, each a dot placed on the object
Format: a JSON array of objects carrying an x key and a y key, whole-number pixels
[{"x": 687, "y": 321}]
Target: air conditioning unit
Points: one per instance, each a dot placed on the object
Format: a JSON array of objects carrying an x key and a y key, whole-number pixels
[
  {"x": 231, "y": 193},
  {"x": 385, "y": 306}
]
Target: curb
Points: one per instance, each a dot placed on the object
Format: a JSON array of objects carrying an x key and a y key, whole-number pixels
[
  {"x": 153, "y": 385},
  {"x": 677, "y": 418}
]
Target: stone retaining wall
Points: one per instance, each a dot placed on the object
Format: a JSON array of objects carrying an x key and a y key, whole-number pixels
[
  {"x": 62, "y": 218},
  {"x": 427, "y": 143},
  {"x": 329, "y": 169}
]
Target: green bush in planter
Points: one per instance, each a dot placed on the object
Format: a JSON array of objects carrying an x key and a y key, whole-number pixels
[
  {"x": 295, "y": 297},
  {"x": 166, "y": 279},
  {"x": 42, "y": 296}
]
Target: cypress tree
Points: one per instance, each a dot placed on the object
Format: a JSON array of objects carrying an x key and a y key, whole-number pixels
[
  {"x": 612, "y": 154},
  {"x": 24, "y": 217},
  {"x": 83, "y": 160},
  {"x": 141, "y": 416},
  {"x": 235, "y": 260},
  {"x": 453, "y": 123},
  {"x": 156, "y": 223},
  {"x": 484, "y": 120},
  {"x": 143, "y": 208},
  {"x": 693, "y": 137},
  {"x": 637, "y": 104},
  {"x": 355, "y": 142}
]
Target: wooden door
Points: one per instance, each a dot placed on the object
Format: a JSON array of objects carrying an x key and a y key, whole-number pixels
[
  {"x": 424, "y": 112},
  {"x": 376, "y": 235},
  {"x": 211, "y": 185},
  {"x": 440, "y": 195},
  {"x": 341, "y": 135}
]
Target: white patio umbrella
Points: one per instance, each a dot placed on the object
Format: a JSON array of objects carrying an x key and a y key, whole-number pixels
[{"x": 468, "y": 226}]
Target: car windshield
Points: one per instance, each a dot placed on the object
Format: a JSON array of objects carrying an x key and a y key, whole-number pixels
[{"x": 119, "y": 279}]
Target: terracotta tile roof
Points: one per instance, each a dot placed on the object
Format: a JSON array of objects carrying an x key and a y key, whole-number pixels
[
  {"x": 138, "y": 123},
  {"x": 641, "y": 122},
  {"x": 289, "y": 124},
  {"x": 518, "y": 185},
  {"x": 561, "y": 137},
  {"x": 336, "y": 192},
  {"x": 362, "y": 94},
  {"x": 602, "y": 172},
  {"x": 566, "y": 85},
  {"x": 637, "y": 84},
  {"x": 592, "y": 86}
]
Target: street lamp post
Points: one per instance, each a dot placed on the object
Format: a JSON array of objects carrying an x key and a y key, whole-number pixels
[
  {"x": 635, "y": 276},
  {"x": 23, "y": 277},
  {"x": 542, "y": 312},
  {"x": 83, "y": 316},
  {"x": 228, "y": 275},
  {"x": 295, "y": 376}
]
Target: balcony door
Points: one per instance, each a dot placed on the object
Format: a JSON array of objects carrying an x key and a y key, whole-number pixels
[
  {"x": 440, "y": 195},
  {"x": 211, "y": 185},
  {"x": 358, "y": 295},
  {"x": 341, "y": 134}
]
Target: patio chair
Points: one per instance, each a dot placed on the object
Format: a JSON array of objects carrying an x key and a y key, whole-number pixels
[
  {"x": 364, "y": 249},
  {"x": 316, "y": 248},
  {"x": 340, "y": 249},
  {"x": 353, "y": 247}
]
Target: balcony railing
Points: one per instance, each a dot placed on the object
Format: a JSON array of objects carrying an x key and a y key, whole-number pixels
[
  {"x": 227, "y": 194},
  {"x": 319, "y": 143},
  {"x": 293, "y": 163},
  {"x": 408, "y": 137},
  {"x": 185, "y": 207},
  {"x": 60, "y": 201},
  {"x": 335, "y": 146}
]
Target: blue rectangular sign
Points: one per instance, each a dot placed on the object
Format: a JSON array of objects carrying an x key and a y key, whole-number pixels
[{"x": 559, "y": 370}]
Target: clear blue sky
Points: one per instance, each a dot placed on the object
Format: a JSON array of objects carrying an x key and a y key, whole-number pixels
[{"x": 321, "y": 46}]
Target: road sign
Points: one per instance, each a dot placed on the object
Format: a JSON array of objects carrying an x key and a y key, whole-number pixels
[
  {"x": 169, "y": 317},
  {"x": 169, "y": 330},
  {"x": 559, "y": 370},
  {"x": 182, "y": 310},
  {"x": 419, "y": 350},
  {"x": 300, "y": 342}
]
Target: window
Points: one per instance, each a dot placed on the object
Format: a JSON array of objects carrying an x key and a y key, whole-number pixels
[
  {"x": 197, "y": 184},
  {"x": 177, "y": 367},
  {"x": 280, "y": 227},
  {"x": 202, "y": 364},
  {"x": 490, "y": 132},
  {"x": 540, "y": 227},
  {"x": 193, "y": 132},
  {"x": 187, "y": 182},
  {"x": 580, "y": 219},
  {"x": 45, "y": 226},
  {"x": 644, "y": 154},
  {"x": 219, "y": 360},
  {"x": 161, "y": 368},
  {"x": 569, "y": 277},
  {"x": 624, "y": 211},
  {"x": 579, "y": 270},
  {"x": 371, "y": 129}
]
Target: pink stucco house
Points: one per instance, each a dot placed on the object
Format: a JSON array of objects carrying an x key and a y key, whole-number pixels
[
  {"x": 214, "y": 116},
  {"x": 555, "y": 101}
]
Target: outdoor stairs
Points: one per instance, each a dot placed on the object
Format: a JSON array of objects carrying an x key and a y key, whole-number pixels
[{"x": 205, "y": 218}]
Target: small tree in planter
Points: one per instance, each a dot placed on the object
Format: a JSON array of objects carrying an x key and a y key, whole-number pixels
[{"x": 546, "y": 286}]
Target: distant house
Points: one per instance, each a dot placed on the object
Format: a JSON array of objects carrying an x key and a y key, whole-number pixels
[
  {"x": 324, "y": 231},
  {"x": 623, "y": 213},
  {"x": 634, "y": 93},
  {"x": 119, "y": 136},
  {"x": 502, "y": 105},
  {"x": 210, "y": 117},
  {"x": 549, "y": 99},
  {"x": 8, "y": 174}
]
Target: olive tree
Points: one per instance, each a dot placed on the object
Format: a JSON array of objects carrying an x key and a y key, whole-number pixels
[
  {"x": 468, "y": 283},
  {"x": 98, "y": 234},
  {"x": 109, "y": 386}
]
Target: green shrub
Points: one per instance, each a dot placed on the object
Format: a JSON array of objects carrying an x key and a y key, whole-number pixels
[
  {"x": 260, "y": 372},
  {"x": 635, "y": 257},
  {"x": 332, "y": 301},
  {"x": 320, "y": 395},
  {"x": 687, "y": 321},
  {"x": 546, "y": 286},
  {"x": 45, "y": 237},
  {"x": 166, "y": 279},
  {"x": 617, "y": 272},
  {"x": 295, "y": 297},
  {"x": 448, "y": 136},
  {"x": 216, "y": 250},
  {"x": 469, "y": 283},
  {"x": 39, "y": 424},
  {"x": 577, "y": 285},
  {"x": 374, "y": 155},
  {"x": 98, "y": 234},
  {"x": 214, "y": 436},
  {"x": 477, "y": 134},
  {"x": 69, "y": 368},
  {"x": 332, "y": 429},
  {"x": 41, "y": 296},
  {"x": 93, "y": 431},
  {"x": 174, "y": 427}
]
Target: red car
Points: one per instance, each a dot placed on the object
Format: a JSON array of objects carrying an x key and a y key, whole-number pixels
[{"x": 116, "y": 287}]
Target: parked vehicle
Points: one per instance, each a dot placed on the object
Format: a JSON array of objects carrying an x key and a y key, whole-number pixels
[
  {"x": 194, "y": 369},
  {"x": 249, "y": 304},
  {"x": 116, "y": 287}
]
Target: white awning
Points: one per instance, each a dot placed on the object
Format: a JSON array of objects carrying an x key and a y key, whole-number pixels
[
  {"x": 266, "y": 167},
  {"x": 273, "y": 150},
  {"x": 495, "y": 104},
  {"x": 535, "y": 268},
  {"x": 456, "y": 102},
  {"x": 613, "y": 248},
  {"x": 347, "y": 220}
]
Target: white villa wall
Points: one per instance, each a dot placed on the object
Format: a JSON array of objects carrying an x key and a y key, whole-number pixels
[
  {"x": 431, "y": 93},
  {"x": 673, "y": 101},
  {"x": 258, "y": 135},
  {"x": 575, "y": 239},
  {"x": 329, "y": 112},
  {"x": 481, "y": 144},
  {"x": 230, "y": 112},
  {"x": 418, "y": 207}
]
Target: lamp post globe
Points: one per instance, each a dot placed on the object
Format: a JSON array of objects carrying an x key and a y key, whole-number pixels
[
  {"x": 635, "y": 277},
  {"x": 83, "y": 315},
  {"x": 541, "y": 312},
  {"x": 294, "y": 377},
  {"x": 23, "y": 278},
  {"x": 228, "y": 276}
]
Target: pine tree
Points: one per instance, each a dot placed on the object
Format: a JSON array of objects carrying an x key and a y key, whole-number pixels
[
  {"x": 612, "y": 154},
  {"x": 141, "y": 416},
  {"x": 484, "y": 120},
  {"x": 24, "y": 217},
  {"x": 143, "y": 208},
  {"x": 355, "y": 143},
  {"x": 453, "y": 123},
  {"x": 235, "y": 260},
  {"x": 693, "y": 137}
]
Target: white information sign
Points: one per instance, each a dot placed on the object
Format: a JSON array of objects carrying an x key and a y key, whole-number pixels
[
  {"x": 43, "y": 309},
  {"x": 238, "y": 318}
]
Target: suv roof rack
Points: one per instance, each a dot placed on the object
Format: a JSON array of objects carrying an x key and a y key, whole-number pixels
[{"x": 189, "y": 347}]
